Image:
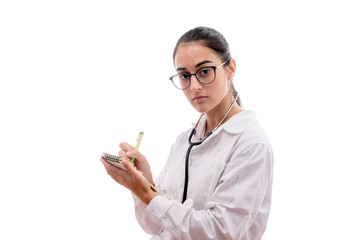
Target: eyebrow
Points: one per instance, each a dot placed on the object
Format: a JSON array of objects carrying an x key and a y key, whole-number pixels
[{"x": 197, "y": 65}]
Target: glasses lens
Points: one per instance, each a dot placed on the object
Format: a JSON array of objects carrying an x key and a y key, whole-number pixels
[
  {"x": 206, "y": 75},
  {"x": 181, "y": 81}
]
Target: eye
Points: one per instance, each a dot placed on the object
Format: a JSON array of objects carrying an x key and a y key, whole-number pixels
[
  {"x": 183, "y": 76},
  {"x": 204, "y": 71}
]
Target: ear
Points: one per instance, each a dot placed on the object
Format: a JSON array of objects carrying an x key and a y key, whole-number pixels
[{"x": 231, "y": 69}]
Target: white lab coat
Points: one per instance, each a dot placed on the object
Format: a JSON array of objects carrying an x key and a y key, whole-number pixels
[{"x": 230, "y": 182}]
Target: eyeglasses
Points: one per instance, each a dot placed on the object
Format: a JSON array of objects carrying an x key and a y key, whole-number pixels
[{"x": 205, "y": 75}]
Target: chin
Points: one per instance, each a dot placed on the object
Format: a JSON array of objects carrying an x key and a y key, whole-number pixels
[{"x": 201, "y": 108}]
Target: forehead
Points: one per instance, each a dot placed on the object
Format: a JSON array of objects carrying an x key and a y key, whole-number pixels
[{"x": 191, "y": 53}]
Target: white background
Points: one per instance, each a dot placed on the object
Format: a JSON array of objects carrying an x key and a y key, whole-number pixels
[{"x": 79, "y": 77}]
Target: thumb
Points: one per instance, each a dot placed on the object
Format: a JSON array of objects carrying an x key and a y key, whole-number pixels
[{"x": 135, "y": 154}]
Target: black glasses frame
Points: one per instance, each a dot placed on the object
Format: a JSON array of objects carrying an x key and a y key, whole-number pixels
[{"x": 189, "y": 75}]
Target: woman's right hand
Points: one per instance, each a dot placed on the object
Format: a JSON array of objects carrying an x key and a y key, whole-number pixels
[{"x": 128, "y": 151}]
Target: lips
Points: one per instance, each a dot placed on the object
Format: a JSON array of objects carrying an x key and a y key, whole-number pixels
[{"x": 199, "y": 98}]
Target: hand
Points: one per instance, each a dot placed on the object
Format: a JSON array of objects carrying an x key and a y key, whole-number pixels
[
  {"x": 132, "y": 179},
  {"x": 127, "y": 151}
]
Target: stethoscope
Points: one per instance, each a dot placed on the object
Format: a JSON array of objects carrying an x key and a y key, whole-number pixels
[{"x": 192, "y": 144}]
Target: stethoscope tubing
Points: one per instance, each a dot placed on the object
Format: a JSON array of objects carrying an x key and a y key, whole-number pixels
[{"x": 192, "y": 144}]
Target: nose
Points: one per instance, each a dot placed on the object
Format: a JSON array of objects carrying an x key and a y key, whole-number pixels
[{"x": 194, "y": 83}]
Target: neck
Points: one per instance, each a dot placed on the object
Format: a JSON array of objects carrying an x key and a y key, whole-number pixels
[{"x": 214, "y": 116}]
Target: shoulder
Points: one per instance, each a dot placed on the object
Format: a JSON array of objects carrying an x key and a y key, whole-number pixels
[{"x": 247, "y": 130}]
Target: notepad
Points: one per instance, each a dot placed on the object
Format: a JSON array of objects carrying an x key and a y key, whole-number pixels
[{"x": 114, "y": 160}]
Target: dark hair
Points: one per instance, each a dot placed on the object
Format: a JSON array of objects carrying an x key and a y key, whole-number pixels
[{"x": 212, "y": 39}]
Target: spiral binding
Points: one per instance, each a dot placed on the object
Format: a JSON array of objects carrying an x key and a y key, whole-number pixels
[{"x": 110, "y": 157}]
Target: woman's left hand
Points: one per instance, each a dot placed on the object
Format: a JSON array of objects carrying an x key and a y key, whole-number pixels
[{"x": 132, "y": 179}]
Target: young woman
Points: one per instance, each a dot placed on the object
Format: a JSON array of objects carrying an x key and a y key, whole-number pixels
[{"x": 217, "y": 181}]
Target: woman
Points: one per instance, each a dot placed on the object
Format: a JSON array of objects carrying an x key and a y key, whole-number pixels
[{"x": 217, "y": 181}]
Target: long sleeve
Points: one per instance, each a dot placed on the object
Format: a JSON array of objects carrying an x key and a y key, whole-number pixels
[
  {"x": 143, "y": 218},
  {"x": 241, "y": 196}
]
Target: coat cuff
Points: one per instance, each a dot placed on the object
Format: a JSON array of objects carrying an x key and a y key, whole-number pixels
[{"x": 159, "y": 206}]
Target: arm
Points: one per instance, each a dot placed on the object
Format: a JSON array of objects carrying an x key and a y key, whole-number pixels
[
  {"x": 144, "y": 219},
  {"x": 137, "y": 182},
  {"x": 231, "y": 209},
  {"x": 131, "y": 179}
]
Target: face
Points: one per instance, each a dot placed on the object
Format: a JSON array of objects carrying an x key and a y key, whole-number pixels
[{"x": 189, "y": 58}]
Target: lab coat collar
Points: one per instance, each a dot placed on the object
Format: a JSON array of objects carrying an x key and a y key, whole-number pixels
[
  {"x": 236, "y": 124},
  {"x": 239, "y": 122}
]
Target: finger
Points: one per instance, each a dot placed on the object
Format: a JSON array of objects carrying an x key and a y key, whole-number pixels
[
  {"x": 111, "y": 169},
  {"x": 106, "y": 164},
  {"x": 135, "y": 154},
  {"x": 122, "y": 154},
  {"x": 126, "y": 147},
  {"x": 131, "y": 170},
  {"x": 114, "y": 172}
]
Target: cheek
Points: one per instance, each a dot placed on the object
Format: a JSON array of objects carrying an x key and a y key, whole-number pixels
[
  {"x": 187, "y": 94},
  {"x": 222, "y": 86}
]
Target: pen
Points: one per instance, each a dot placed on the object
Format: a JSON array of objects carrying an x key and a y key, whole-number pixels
[{"x": 138, "y": 141}]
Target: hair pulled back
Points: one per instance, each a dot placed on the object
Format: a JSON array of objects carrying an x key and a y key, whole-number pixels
[{"x": 214, "y": 40}]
